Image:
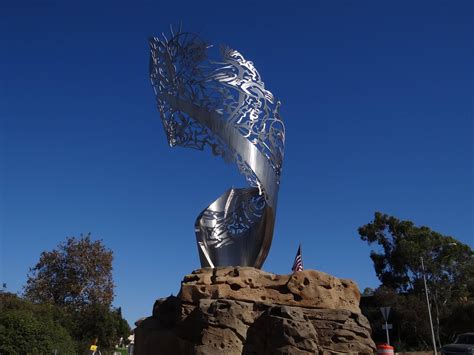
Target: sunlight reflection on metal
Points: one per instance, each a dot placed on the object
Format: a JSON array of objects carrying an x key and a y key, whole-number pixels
[{"x": 223, "y": 104}]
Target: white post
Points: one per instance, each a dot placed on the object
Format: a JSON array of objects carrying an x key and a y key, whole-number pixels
[
  {"x": 429, "y": 307},
  {"x": 386, "y": 330}
]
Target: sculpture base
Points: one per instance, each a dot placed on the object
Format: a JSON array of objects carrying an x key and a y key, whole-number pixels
[{"x": 243, "y": 310}]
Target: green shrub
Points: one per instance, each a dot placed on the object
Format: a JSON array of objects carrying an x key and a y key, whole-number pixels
[{"x": 26, "y": 328}]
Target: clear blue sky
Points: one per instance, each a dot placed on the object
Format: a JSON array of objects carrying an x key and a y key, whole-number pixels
[{"x": 377, "y": 98}]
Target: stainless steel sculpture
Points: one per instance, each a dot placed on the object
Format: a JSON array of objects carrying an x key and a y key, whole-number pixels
[{"x": 223, "y": 104}]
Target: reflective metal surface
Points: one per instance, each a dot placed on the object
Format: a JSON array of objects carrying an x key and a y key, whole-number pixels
[{"x": 223, "y": 104}]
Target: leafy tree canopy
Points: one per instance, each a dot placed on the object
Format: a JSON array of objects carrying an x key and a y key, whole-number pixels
[
  {"x": 397, "y": 261},
  {"x": 449, "y": 271},
  {"x": 101, "y": 323},
  {"x": 75, "y": 274},
  {"x": 27, "y": 328},
  {"x": 76, "y": 278}
]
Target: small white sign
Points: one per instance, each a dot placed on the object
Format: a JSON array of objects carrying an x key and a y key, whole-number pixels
[
  {"x": 385, "y": 312},
  {"x": 387, "y": 326}
]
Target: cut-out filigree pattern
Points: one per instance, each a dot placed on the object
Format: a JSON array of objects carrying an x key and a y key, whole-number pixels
[
  {"x": 225, "y": 227},
  {"x": 231, "y": 87},
  {"x": 222, "y": 103}
]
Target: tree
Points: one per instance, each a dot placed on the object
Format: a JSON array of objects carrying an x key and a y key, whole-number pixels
[
  {"x": 449, "y": 269},
  {"x": 76, "y": 277},
  {"x": 398, "y": 263},
  {"x": 101, "y": 323},
  {"x": 368, "y": 291},
  {"x": 408, "y": 316},
  {"x": 27, "y": 328},
  {"x": 75, "y": 274},
  {"x": 461, "y": 319}
]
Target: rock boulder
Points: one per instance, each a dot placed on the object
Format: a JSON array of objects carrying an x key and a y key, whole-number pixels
[{"x": 243, "y": 310}]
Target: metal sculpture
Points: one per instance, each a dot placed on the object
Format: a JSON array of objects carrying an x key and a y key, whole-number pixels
[{"x": 223, "y": 104}]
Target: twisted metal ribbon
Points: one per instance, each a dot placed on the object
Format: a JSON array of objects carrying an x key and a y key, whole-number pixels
[{"x": 223, "y": 105}]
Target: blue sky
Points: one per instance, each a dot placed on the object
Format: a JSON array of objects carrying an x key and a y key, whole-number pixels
[{"x": 376, "y": 98}]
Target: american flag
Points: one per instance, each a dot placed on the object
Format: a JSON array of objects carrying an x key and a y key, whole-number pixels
[{"x": 298, "y": 263}]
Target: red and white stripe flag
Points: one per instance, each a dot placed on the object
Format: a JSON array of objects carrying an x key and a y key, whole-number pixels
[{"x": 298, "y": 263}]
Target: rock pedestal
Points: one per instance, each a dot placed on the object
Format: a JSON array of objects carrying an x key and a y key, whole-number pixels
[{"x": 243, "y": 310}]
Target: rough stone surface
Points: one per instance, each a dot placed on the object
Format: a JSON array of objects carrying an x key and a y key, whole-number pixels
[
  {"x": 244, "y": 310},
  {"x": 309, "y": 288}
]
